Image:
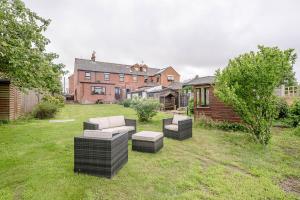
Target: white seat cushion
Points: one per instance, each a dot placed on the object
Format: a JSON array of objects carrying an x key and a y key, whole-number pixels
[
  {"x": 177, "y": 118},
  {"x": 172, "y": 127},
  {"x": 120, "y": 129},
  {"x": 103, "y": 122},
  {"x": 96, "y": 134},
  {"x": 147, "y": 136},
  {"x": 116, "y": 121}
]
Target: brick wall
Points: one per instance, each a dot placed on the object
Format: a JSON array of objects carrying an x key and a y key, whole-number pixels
[
  {"x": 80, "y": 86},
  {"x": 164, "y": 76}
]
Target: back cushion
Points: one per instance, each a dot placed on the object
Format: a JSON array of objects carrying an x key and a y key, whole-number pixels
[
  {"x": 97, "y": 134},
  {"x": 177, "y": 118},
  {"x": 103, "y": 122},
  {"x": 116, "y": 121}
]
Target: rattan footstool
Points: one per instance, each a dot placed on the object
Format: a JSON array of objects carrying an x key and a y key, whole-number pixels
[{"x": 147, "y": 141}]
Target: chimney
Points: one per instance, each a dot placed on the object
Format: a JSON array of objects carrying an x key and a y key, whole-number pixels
[{"x": 93, "y": 58}]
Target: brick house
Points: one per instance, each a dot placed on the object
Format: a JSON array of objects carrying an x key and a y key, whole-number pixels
[
  {"x": 94, "y": 81},
  {"x": 206, "y": 103}
]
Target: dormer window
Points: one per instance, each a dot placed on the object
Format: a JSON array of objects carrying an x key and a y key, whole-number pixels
[{"x": 87, "y": 76}]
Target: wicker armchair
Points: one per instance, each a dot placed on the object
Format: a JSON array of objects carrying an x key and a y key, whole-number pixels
[
  {"x": 180, "y": 131},
  {"x": 95, "y": 126},
  {"x": 100, "y": 156}
]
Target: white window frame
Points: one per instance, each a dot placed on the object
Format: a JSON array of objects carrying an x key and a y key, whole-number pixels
[
  {"x": 102, "y": 92},
  {"x": 105, "y": 76},
  {"x": 170, "y": 77},
  {"x": 87, "y": 77},
  {"x": 121, "y": 77}
]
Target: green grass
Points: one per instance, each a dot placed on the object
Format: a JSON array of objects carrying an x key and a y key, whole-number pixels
[{"x": 36, "y": 162}]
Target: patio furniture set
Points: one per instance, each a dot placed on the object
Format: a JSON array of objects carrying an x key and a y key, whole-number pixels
[{"x": 102, "y": 150}]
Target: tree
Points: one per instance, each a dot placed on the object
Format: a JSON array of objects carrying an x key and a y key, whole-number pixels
[
  {"x": 23, "y": 57},
  {"x": 248, "y": 83}
]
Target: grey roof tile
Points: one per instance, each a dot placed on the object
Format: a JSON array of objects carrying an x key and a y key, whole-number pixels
[
  {"x": 201, "y": 80},
  {"x": 84, "y": 64}
]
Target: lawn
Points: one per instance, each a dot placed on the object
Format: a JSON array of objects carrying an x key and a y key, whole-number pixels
[{"x": 36, "y": 162}]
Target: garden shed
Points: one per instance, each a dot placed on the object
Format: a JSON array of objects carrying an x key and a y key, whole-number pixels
[
  {"x": 169, "y": 99},
  {"x": 207, "y": 104}
]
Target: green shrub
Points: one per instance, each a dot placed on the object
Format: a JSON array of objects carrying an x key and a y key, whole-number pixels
[
  {"x": 207, "y": 122},
  {"x": 58, "y": 100},
  {"x": 126, "y": 103},
  {"x": 297, "y": 131},
  {"x": 191, "y": 107},
  {"x": 294, "y": 114},
  {"x": 282, "y": 109},
  {"x": 145, "y": 108},
  {"x": 134, "y": 101},
  {"x": 4, "y": 121},
  {"x": 45, "y": 110}
]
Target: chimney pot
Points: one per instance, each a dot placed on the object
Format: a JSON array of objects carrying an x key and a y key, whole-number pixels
[{"x": 93, "y": 58}]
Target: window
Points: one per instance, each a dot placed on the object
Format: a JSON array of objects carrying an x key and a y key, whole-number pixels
[
  {"x": 170, "y": 78},
  {"x": 121, "y": 77},
  {"x": 202, "y": 97},
  {"x": 106, "y": 76},
  {"x": 87, "y": 75},
  {"x": 98, "y": 90},
  {"x": 145, "y": 79},
  {"x": 157, "y": 79},
  {"x": 134, "y": 78}
]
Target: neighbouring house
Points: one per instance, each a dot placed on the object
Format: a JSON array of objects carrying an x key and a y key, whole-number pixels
[
  {"x": 206, "y": 103},
  {"x": 94, "y": 81},
  {"x": 171, "y": 96},
  {"x": 13, "y": 102},
  {"x": 146, "y": 92}
]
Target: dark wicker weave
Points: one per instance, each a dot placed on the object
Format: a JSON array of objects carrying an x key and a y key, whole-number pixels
[
  {"x": 184, "y": 129},
  {"x": 147, "y": 146},
  {"x": 128, "y": 122},
  {"x": 100, "y": 157}
]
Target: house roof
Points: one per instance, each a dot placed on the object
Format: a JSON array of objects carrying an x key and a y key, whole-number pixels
[
  {"x": 84, "y": 64},
  {"x": 175, "y": 86},
  {"x": 201, "y": 80}
]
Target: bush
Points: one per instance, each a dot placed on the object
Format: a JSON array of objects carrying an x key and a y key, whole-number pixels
[
  {"x": 126, "y": 103},
  {"x": 207, "y": 122},
  {"x": 145, "y": 108},
  {"x": 191, "y": 107},
  {"x": 45, "y": 110},
  {"x": 297, "y": 131},
  {"x": 58, "y": 100},
  {"x": 294, "y": 114},
  {"x": 282, "y": 109}
]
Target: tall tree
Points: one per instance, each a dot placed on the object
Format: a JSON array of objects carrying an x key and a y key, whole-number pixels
[
  {"x": 248, "y": 83},
  {"x": 23, "y": 57}
]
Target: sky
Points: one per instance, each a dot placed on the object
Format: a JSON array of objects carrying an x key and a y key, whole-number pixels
[{"x": 196, "y": 37}]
